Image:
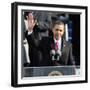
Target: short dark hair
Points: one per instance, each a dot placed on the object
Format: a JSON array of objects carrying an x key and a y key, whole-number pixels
[
  {"x": 58, "y": 22},
  {"x": 27, "y": 13}
]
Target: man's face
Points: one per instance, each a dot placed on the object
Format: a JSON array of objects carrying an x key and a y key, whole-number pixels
[{"x": 58, "y": 31}]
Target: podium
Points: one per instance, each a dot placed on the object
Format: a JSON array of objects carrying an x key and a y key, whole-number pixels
[{"x": 48, "y": 71}]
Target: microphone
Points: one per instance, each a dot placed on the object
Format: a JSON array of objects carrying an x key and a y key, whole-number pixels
[
  {"x": 52, "y": 53},
  {"x": 58, "y": 54}
]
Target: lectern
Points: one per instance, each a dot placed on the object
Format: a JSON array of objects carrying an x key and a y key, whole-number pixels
[{"x": 48, "y": 71}]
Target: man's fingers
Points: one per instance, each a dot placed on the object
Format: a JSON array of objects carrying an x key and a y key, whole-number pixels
[{"x": 31, "y": 21}]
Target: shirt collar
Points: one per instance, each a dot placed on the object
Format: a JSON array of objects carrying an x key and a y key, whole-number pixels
[{"x": 59, "y": 41}]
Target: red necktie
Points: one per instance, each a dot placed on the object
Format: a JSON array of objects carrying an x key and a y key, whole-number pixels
[{"x": 56, "y": 46}]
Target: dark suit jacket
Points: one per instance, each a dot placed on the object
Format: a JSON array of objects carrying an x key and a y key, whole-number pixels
[
  {"x": 33, "y": 42},
  {"x": 39, "y": 51},
  {"x": 66, "y": 49}
]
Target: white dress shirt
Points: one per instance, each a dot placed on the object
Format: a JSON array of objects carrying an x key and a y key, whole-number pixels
[
  {"x": 30, "y": 32},
  {"x": 59, "y": 43}
]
